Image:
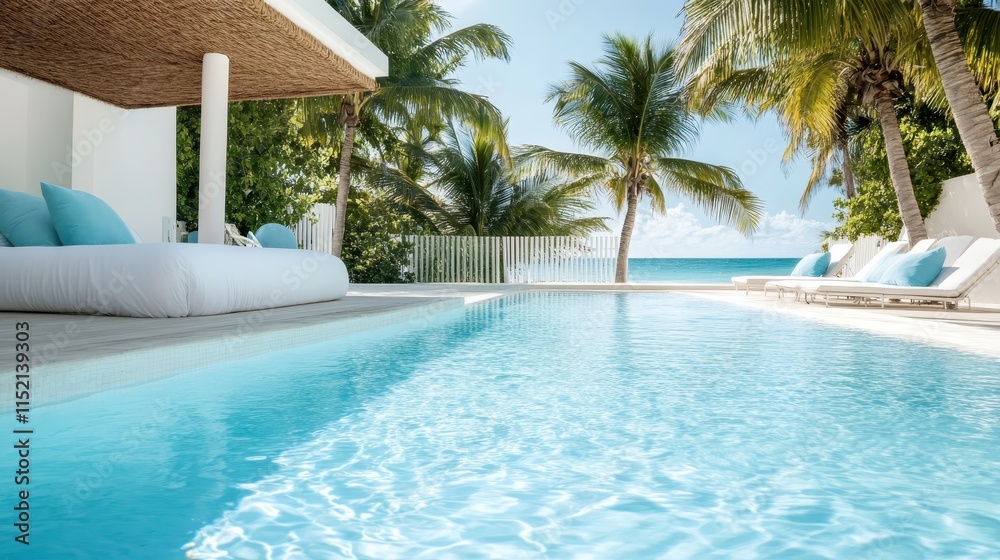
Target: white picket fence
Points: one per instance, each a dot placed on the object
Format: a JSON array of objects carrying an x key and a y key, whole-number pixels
[
  {"x": 865, "y": 250},
  {"x": 560, "y": 259},
  {"x": 513, "y": 260},
  {"x": 315, "y": 230},
  {"x": 438, "y": 258}
]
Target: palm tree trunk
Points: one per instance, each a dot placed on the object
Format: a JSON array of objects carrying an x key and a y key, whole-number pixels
[
  {"x": 966, "y": 100},
  {"x": 621, "y": 268},
  {"x": 348, "y": 111},
  {"x": 843, "y": 142},
  {"x": 899, "y": 171},
  {"x": 849, "y": 188}
]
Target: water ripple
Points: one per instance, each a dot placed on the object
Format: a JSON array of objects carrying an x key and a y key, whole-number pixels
[{"x": 643, "y": 426}]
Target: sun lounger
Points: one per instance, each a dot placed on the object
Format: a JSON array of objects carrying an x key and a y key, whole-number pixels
[
  {"x": 953, "y": 285},
  {"x": 797, "y": 284},
  {"x": 233, "y": 237},
  {"x": 839, "y": 255},
  {"x": 954, "y": 247}
]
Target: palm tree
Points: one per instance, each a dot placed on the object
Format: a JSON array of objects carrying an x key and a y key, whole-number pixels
[
  {"x": 887, "y": 38},
  {"x": 962, "y": 87},
  {"x": 419, "y": 78},
  {"x": 464, "y": 183},
  {"x": 630, "y": 108},
  {"x": 813, "y": 101}
]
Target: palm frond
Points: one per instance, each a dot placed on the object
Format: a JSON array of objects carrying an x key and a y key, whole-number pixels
[
  {"x": 540, "y": 159},
  {"x": 450, "y": 52},
  {"x": 980, "y": 32},
  {"x": 715, "y": 189}
]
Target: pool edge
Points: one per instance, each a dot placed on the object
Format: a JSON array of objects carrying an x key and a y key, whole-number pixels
[{"x": 68, "y": 380}]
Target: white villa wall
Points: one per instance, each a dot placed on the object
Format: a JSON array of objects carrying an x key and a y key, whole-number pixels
[
  {"x": 128, "y": 158},
  {"x": 13, "y": 147},
  {"x": 962, "y": 211},
  {"x": 36, "y": 127}
]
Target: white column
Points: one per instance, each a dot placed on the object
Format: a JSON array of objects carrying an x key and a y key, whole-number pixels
[{"x": 212, "y": 170}]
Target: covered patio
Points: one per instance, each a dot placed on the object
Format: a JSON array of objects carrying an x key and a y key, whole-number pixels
[{"x": 153, "y": 53}]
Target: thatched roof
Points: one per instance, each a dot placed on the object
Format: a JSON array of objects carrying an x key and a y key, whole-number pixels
[{"x": 148, "y": 53}]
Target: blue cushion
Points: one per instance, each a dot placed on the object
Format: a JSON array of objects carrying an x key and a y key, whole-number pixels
[
  {"x": 276, "y": 236},
  {"x": 914, "y": 269},
  {"x": 4, "y": 242},
  {"x": 83, "y": 219},
  {"x": 192, "y": 236},
  {"x": 812, "y": 265},
  {"x": 875, "y": 274},
  {"x": 25, "y": 220}
]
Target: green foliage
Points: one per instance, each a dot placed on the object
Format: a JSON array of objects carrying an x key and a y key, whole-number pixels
[
  {"x": 816, "y": 64},
  {"x": 373, "y": 248},
  {"x": 271, "y": 175},
  {"x": 461, "y": 183},
  {"x": 935, "y": 153},
  {"x": 424, "y": 54}
]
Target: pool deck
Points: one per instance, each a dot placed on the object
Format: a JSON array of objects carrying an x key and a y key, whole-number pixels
[
  {"x": 976, "y": 331},
  {"x": 81, "y": 355}
]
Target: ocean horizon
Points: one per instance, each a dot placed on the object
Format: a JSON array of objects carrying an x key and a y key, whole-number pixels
[{"x": 705, "y": 270}]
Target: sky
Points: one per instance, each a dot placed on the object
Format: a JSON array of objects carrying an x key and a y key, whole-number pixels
[{"x": 549, "y": 33}]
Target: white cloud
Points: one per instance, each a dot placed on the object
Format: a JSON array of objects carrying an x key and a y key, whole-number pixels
[{"x": 680, "y": 233}]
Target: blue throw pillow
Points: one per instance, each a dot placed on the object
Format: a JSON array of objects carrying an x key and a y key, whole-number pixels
[
  {"x": 914, "y": 269},
  {"x": 83, "y": 219},
  {"x": 812, "y": 265},
  {"x": 276, "y": 236},
  {"x": 25, "y": 221},
  {"x": 875, "y": 275}
]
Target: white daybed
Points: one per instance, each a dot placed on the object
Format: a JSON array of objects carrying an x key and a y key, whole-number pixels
[{"x": 164, "y": 279}]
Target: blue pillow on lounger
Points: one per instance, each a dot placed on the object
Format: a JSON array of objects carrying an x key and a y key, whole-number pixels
[
  {"x": 913, "y": 269},
  {"x": 83, "y": 219},
  {"x": 812, "y": 265},
  {"x": 875, "y": 274},
  {"x": 25, "y": 220}
]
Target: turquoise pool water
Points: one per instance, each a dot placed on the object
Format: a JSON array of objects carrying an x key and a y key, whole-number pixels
[{"x": 539, "y": 426}]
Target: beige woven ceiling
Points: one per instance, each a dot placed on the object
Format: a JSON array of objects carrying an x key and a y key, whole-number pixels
[{"x": 148, "y": 53}]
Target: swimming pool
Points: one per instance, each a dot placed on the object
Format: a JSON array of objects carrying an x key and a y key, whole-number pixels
[{"x": 541, "y": 425}]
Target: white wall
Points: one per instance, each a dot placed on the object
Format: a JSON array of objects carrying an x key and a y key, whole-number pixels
[
  {"x": 962, "y": 211},
  {"x": 127, "y": 158},
  {"x": 13, "y": 127},
  {"x": 36, "y": 127}
]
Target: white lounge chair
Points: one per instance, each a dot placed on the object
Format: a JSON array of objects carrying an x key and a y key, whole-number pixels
[
  {"x": 954, "y": 247},
  {"x": 233, "y": 237},
  {"x": 953, "y": 284},
  {"x": 796, "y": 285},
  {"x": 839, "y": 255}
]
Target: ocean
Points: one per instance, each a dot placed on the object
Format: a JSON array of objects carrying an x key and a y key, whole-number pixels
[{"x": 704, "y": 270}]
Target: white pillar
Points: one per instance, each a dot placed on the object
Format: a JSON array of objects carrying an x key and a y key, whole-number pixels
[{"x": 212, "y": 168}]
